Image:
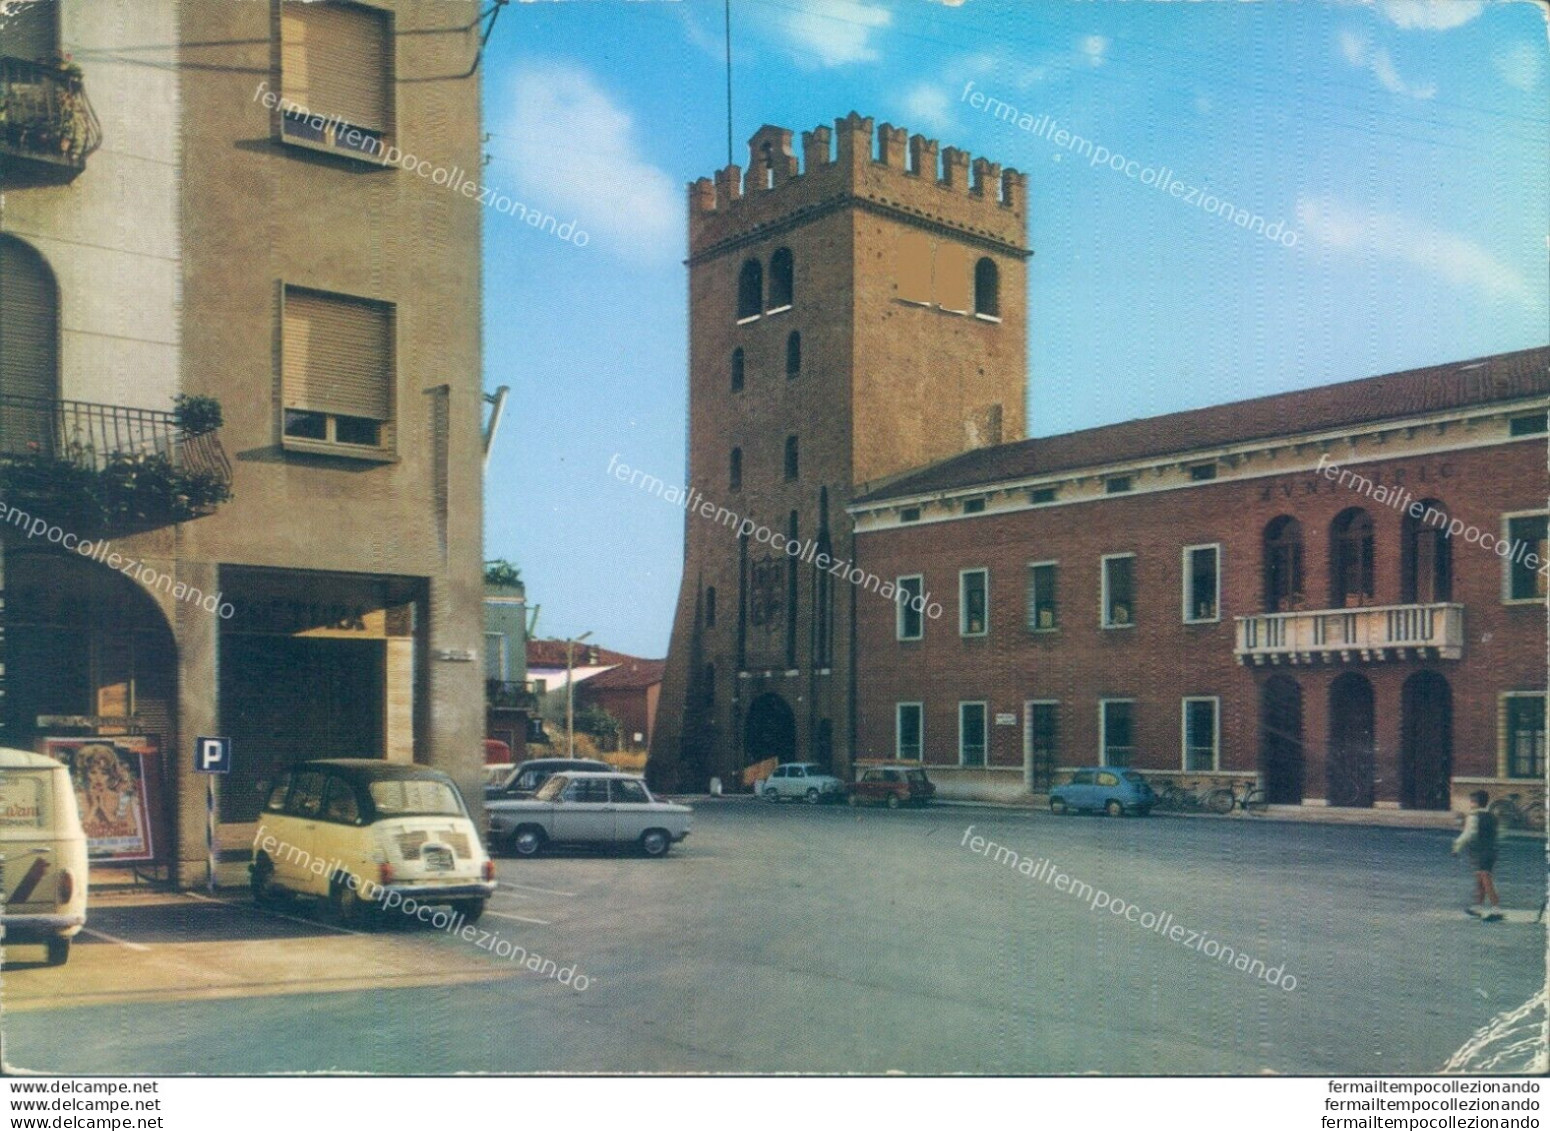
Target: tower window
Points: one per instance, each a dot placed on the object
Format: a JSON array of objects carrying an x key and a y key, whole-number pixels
[
  {"x": 793, "y": 354},
  {"x": 987, "y": 289},
  {"x": 737, "y": 370},
  {"x": 750, "y": 290},
  {"x": 735, "y": 470},
  {"x": 792, "y": 466},
  {"x": 782, "y": 280}
]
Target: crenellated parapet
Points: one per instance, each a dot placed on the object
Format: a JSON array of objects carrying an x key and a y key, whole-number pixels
[{"x": 857, "y": 162}]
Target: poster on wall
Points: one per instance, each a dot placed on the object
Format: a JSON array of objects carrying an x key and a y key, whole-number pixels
[{"x": 115, "y": 783}]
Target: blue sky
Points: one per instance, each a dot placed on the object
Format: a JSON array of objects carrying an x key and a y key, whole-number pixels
[{"x": 1407, "y": 144}]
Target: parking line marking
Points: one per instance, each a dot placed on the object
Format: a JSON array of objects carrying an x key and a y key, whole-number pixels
[
  {"x": 518, "y": 918},
  {"x": 545, "y": 891},
  {"x": 276, "y": 914},
  {"x": 105, "y": 937}
]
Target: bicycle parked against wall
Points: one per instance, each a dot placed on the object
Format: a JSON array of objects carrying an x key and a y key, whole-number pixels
[
  {"x": 1253, "y": 799},
  {"x": 1187, "y": 798},
  {"x": 1511, "y": 813}
]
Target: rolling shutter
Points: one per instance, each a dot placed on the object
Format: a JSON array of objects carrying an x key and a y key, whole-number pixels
[
  {"x": 31, "y": 31},
  {"x": 337, "y": 355},
  {"x": 913, "y": 266},
  {"x": 337, "y": 61},
  {"x": 953, "y": 276},
  {"x": 29, "y": 324}
]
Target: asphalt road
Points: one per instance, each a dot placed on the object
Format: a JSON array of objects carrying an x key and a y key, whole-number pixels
[{"x": 824, "y": 940}]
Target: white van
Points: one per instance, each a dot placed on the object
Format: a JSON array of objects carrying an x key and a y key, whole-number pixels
[{"x": 42, "y": 854}]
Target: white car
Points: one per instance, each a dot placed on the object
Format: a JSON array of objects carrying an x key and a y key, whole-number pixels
[
  {"x": 42, "y": 854},
  {"x": 588, "y": 808},
  {"x": 807, "y": 781}
]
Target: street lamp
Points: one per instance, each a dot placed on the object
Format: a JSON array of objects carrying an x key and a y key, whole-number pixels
[{"x": 570, "y": 693}]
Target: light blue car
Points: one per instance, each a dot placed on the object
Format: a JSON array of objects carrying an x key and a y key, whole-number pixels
[{"x": 1103, "y": 789}]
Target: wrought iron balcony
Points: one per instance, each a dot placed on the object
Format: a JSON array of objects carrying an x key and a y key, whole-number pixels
[
  {"x": 47, "y": 125},
  {"x": 1374, "y": 633},
  {"x": 95, "y": 465},
  {"x": 510, "y": 696}
]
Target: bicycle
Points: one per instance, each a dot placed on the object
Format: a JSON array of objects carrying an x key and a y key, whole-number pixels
[
  {"x": 1511, "y": 815},
  {"x": 1177, "y": 799},
  {"x": 1226, "y": 799}
]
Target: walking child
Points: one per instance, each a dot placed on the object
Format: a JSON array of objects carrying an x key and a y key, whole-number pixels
[{"x": 1479, "y": 840}]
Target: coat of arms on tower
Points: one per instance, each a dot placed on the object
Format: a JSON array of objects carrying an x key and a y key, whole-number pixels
[{"x": 765, "y": 603}]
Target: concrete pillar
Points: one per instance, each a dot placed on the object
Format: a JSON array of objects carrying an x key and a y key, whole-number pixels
[
  {"x": 196, "y": 633},
  {"x": 454, "y": 705}
]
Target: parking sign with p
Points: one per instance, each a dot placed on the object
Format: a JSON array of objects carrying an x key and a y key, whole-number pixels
[{"x": 212, "y": 756}]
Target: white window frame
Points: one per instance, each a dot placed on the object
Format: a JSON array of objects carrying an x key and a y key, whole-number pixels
[
  {"x": 505, "y": 654},
  {"x": 1216, "y": 732},
  {"x": 1028, "y": 706},
  {"x": 898, "y": 732},
  {"x": 1055, "y": 565},
  {"x": 963, "y": 605},
  {"x": 898, "y": 615},
  {"x": 984, "y": 706},
  {"x": 1103, "y": 726},
  {"x": 1502, "y": 761},
  {"x": 1507, "y": 597},
  {"x": 1188, "y": 584},
  {"x": 1103, "y": 591}
]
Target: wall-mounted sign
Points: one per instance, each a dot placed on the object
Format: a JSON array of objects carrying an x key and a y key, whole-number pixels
[{"x": 1006, "y": 719}]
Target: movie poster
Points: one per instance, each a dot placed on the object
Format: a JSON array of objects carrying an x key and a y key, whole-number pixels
[{"x": 113, "y": 779}]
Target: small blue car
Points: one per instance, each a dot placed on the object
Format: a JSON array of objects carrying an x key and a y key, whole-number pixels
[{"x": 1107, "y": 789}]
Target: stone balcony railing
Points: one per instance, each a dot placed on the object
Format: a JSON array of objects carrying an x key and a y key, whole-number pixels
[
  {"x": 1372, "y": 633},
  {"x": 47, "y": 126}
]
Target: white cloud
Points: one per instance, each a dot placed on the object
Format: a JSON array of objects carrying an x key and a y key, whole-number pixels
[
  {"x": 1457, "y": 260},
  {"x": 574, "y": 152},
  {"x": 1358, "y": 53},
  {"x": 1519, "y": 65},
  {"x": 929, "y": 107},
  {"x": 1430, "y": 15},
  {"x": 833, "y": 33},
  {"x": 1094, "y": 49}
]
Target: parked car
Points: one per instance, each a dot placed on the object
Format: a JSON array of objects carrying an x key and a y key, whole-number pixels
[
  {"x": 585, "y": 808},
  {"x": 807, "y": 781},
  {"x": 892, "y": 786},
  {"x": 42, "y": 854},
  {"x": 1104, "y": 789},
  {"x": 392, "y": 827},
  {"x": 526, "y": 779}
]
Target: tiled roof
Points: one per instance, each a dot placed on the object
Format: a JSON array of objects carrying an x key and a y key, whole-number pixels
[
  {"x": 551, "y": 654},
  {"x": 633, "y": 675},
  {"x": 1503, "y": 377}
]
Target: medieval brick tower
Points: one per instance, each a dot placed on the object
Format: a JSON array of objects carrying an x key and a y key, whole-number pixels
[{"x": 849, "y": 320}]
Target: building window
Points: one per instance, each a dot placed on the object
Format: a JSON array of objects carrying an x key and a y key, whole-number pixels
[
  {"x": 495, "y": 656},
  {"x": 710, "y": 607},
  {"x": 735, "y": 470},
  {"x": 1282, "y": 550},
  {"x": 1351, "y": 565},
  {"x": 1524, "y": 733},
  {"x": 737, "y": 370},
  {"x": 1042, "y": 742},
  {"x": 792, "y": 466},
  {"x": 750, "y": 290},
  {"x": 910, "y": 624},
  {"x": 1043, "y": 611},
  {"x": 1117, "y": 485},
  {"x": 974, "y": 506},
  {"x": 782, "y": 280},
  {"x": 973, "y": 601},
  {"x": 1202, "y": 584},
  {"x": 793, "y": 355},
  {"x": 337, "y": 372},
  {"x": 987, "y": 289},
  {"x": 971, "y": 734},
  {"x": 1426, "y": 555},
  {"x": 908, "y": 732},
  {"x": 1531, "y": 425},
  {"x": 1525, "y": 536},
  {"x": 336, "y": 70},
  {"x": 1202, "y": 472},
  {"x": 1119, "y": 590},
  {"x": 1038, "y": 496},
  {"x": 1202, "y": 735},
  {"x": 29, "y": 343},
  {"x": 1116, "y": 731},
  {"x": 909, "y": 514}
]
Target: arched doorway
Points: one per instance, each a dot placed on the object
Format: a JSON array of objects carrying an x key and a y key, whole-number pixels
[
  {"x": 1280, "y": 740},
  {"x": 1426, "y": 742},
  {"x": 1351, "y": 755},
  {"x": 770, "y": 731}
]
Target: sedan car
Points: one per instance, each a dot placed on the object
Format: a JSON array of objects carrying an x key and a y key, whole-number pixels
[
  {"x": 580, "y": 808},
  {"x": 805, "y": 781},
  {"x": 525, "y": 779},
  {"x": 892, "y": 786},
  {"x": 1104, "y": 789}
]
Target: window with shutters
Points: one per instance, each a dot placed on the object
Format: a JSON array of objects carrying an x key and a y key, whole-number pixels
[
  {"x": 337, "y": 369},
  {"x": 336, "y": 77}
]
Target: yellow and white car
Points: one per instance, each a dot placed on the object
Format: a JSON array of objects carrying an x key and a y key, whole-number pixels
[
  {"x": 42, "y": 854},
  {"x": 367, "y": 835}
]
